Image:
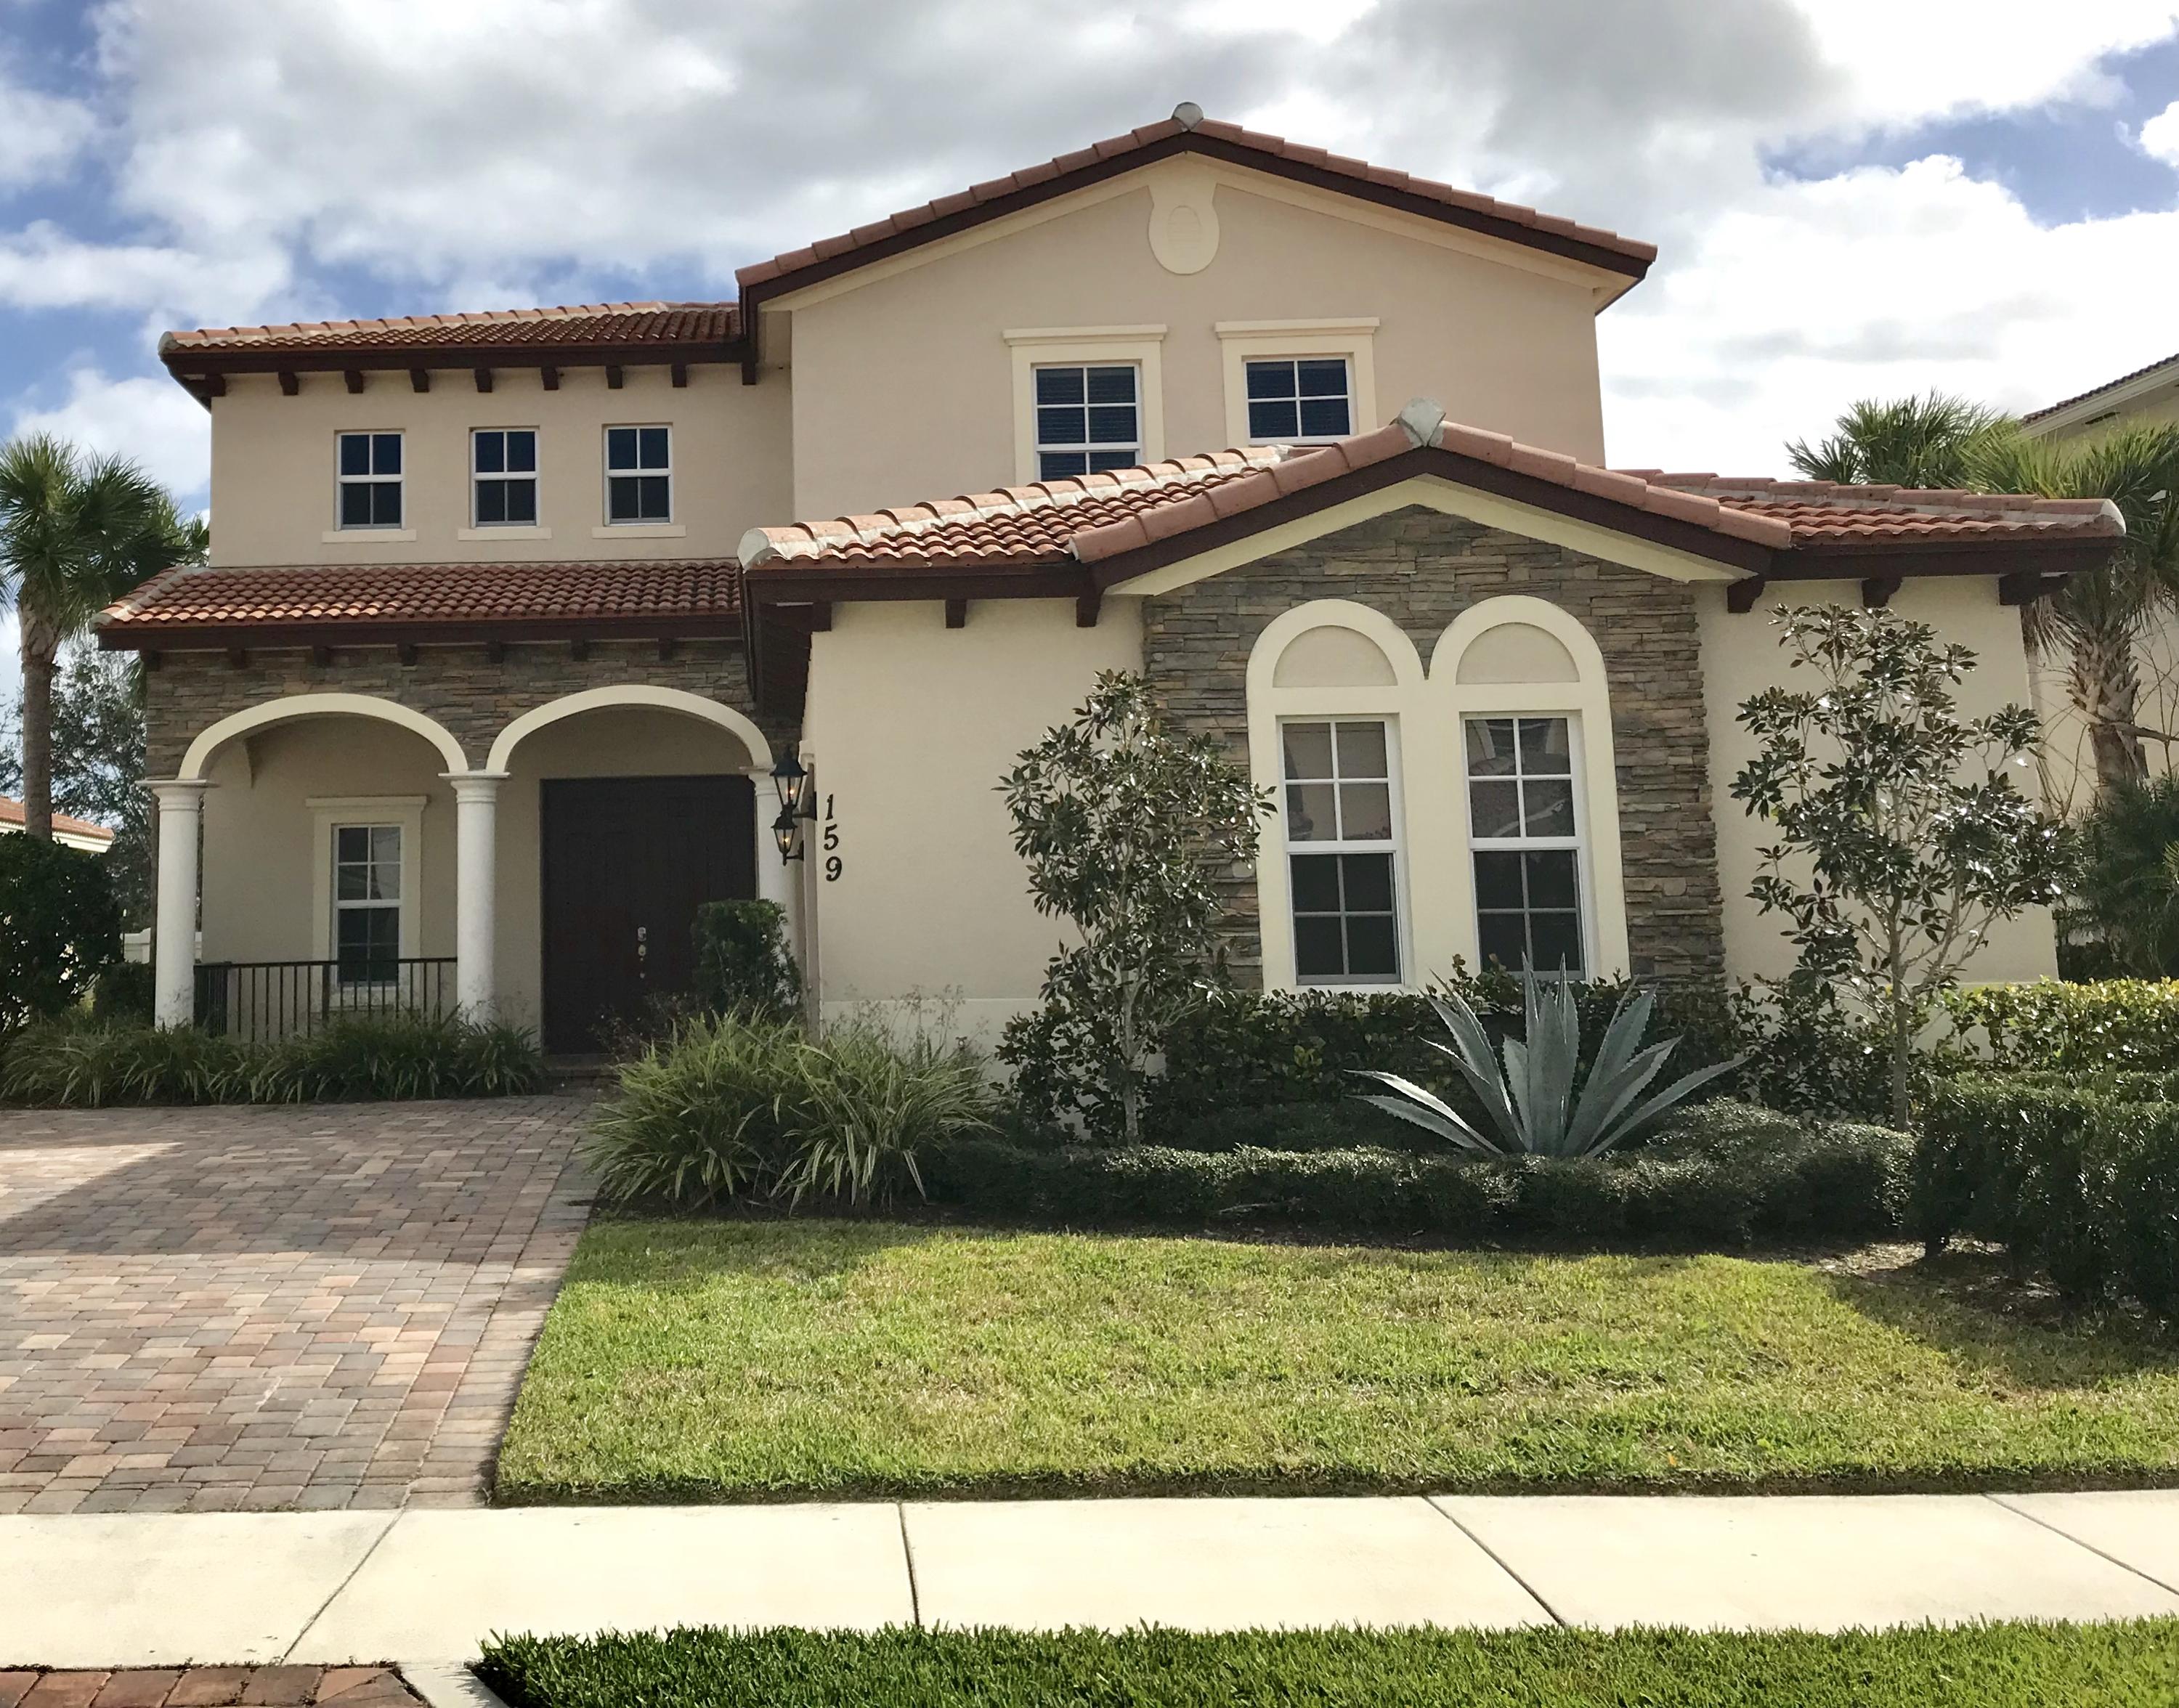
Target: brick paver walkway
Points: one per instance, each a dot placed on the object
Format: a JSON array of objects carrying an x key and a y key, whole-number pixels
[
  {"x": 251, "y": 1309},
  {"x": 209, "y": 1687}
]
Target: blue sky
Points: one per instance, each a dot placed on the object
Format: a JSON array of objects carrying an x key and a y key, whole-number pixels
[{"x": 1851, "y": 197}]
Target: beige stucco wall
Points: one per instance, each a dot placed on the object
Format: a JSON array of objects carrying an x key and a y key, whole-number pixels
[
  {"x": 1741, "y": 657},
  {"x": 911, "y": 725},
  {"x": 259, "y": 859},
  {"x": 259, "y": 868},
  {"x": 273, "y": 491},
  {"x": 902, "y": 378}
]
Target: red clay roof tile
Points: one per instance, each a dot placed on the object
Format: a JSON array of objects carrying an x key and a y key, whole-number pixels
[
  {"x": 11, "y": 812},
  {"x": 633, "y": 325}
]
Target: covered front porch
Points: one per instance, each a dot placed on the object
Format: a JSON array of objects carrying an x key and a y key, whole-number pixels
[{"x": 330, "y": 852}]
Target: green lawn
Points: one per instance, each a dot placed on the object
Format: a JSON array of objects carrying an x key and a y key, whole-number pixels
[
  {"x": 737, "y": 1359},
  {"x": 1986, "y": 1666}
]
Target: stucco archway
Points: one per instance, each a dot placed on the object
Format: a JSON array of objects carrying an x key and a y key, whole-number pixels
[
  {"x": 738, "y": 725},
  {"x": 293, "y": 706}
]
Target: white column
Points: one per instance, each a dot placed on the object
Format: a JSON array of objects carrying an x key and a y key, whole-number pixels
[
  {"x": 174, "y": 940},
  {"x": 476, "y": 888}
]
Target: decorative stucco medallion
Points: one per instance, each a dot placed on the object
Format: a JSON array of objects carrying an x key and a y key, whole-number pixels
[{"x": 1183, "y": 222}]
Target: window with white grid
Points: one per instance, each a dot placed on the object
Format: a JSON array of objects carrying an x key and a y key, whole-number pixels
[
  {"x": 503, "y": 477},
  {"x": 367, "y": 903},
  {"x": 1524, "y": 832},
  {"x": 368, "y": 480},
  {"x": 1299, "y": 398},
  {"x": 1342, "y": 850},
  {"x": 1089, "y": 419}
]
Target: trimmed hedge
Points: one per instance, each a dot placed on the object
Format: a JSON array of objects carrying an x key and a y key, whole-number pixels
[
  {"x": 90, "y": 1065},
  {"x": 2082, "y": 1182},
  {"x": 2114, "y": 1023},
  {"x": 1725, "y": 1175}
]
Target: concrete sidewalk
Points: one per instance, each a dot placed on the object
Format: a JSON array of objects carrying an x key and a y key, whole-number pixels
[{"x": 137, "y": 1590}]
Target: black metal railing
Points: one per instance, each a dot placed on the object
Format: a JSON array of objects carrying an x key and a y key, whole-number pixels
[{"x": 256, "y": 999}]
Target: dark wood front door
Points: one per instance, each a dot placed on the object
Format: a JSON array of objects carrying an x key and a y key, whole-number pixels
[{"x": 627, "y": 863}]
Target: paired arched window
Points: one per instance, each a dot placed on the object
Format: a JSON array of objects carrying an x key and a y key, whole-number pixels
[{"x": 1465, "y": 809}]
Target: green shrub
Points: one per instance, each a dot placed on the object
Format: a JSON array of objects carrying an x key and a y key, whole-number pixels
[
  {"x": 743, "y": 964},
  {"x": 2075, "y": 1181},
  {"x": 1346, "y": 1126},
  {"x": 735, "y": 1108},
  {"x": 59, "y": 924},
  {"x": 91, "y": 1064},
  {"x": 125, "y": 992},
  {"x": 2118, "y": 1023},
  {"x": 1716, "y": 1181}
]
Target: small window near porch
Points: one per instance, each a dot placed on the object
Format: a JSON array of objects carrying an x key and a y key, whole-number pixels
[
  {"x": 1525, "y": 834},
  {"x": 1343, "y": 854},
  {"x": 366, "y": 903}
]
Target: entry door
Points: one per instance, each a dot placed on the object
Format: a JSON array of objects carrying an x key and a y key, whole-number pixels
[{"x": 627, "y": 863}]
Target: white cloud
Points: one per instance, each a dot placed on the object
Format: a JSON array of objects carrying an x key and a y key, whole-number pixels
[
  {"x": 1875, "y": 283},
  {"x": 40, "y": 135},
  {"x": 42, "y": 266},
  {"x": 152, "y": 421},
  {"x": 2159, "y": 136}
]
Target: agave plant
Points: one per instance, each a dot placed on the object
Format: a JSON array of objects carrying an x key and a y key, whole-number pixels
[{"x": 1533, "y": 1101}]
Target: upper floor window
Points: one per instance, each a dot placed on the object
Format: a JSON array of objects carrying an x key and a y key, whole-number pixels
[
  {"x": 1525, "y": 835},
  {"x": 1342, "y": 850},
  {"x": 503, "y": 477},
  {"x": 1307, "y": 397},
  {"x": 638, "y": 474},
  {"x": 369, "y": 479},
  {"x": 1089, "y": 419}
]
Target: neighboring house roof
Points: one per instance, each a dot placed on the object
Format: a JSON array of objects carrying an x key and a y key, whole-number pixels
[
  {"x": 667, "y": 332},
  {"x": 353, "y": 603},
  {"x": 1123, "y": 524},
  {"x": 2140, "y": 380},
  {"x": 80, "y": 829}
]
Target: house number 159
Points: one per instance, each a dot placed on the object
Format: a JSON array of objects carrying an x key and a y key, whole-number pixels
[{"x": 831, "y": 842}]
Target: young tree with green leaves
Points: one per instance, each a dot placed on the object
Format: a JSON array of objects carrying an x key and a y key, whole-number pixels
[
  {"x": 98, "y": 764},
  {"x": 1902, "y": 441},
  {"x": 1128, "y": 829},
  {"x": 1904, "y": 837},
  {"x": 77, "y": 531}
]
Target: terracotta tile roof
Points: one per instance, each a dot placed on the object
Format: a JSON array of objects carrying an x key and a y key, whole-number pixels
[
  {"x": 425, "y": 595},
  {"x": 1274, "y": 152},
  {"x": 1088, "y": 520},
  {"x": 634, "y": 324},
  {"x": 2141, "y": 373},
  {"x": 11, "y": 814}
]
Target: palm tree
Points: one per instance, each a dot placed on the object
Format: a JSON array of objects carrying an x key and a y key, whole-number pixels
[
  {"x": 1908, "y": 441},
  {"x": 2099, "y": 619},
  {"x": 76, "y": 531}
]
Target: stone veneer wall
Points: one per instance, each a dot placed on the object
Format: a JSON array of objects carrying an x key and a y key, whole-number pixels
[
  {"x": 1423, "y": 568},
  {"x": 474, "y": 698}
]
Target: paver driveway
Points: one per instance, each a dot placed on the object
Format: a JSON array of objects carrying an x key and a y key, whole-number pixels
[{"x": 247, "y": 1309}]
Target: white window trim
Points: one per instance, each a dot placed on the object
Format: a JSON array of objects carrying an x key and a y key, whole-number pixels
[
  {"x": 1241, "y": 341},
  {"x": 607, "y": 471},
  {"x": 1437, "y": 880},
  {"x": 1395, "y": 845},
  {"x": 329, "y": 813},
  {"x": 342, "y": 530},
  {"x": 1584, "y": 882},
  {"x": 515, "y": 530},
  {"x": 1059, "y": 347}
]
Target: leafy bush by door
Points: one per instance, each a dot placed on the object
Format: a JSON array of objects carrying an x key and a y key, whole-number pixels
[{"x": 59, "y": 924}]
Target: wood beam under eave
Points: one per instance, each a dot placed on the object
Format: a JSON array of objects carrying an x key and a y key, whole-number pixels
[
  {"x": 355, "y": 378},
  {"x": 1086, "y": 609},
  {"x": 613, "y": 376},
  {"x": 956, "y": 613},
  {"x": 291, "y": 383},
  {"x": 210, "y": 386},
  {"x": 2023, "y": 587},
  {"x": 322, "y": 656},
  {"x": 667, "y": 646},
  {"x": 484, "y": 379},
  {"x": 419, "y": 379},
  {"x": 494, "y": 651},
  {"x": 1876, "y": 592},
  {"x": 151, "y": 657},
  {"x": 680, "y": 371},
  {"x": 238, "y": 658},
  {"x": 406, "y": 652},
  {"x": 551, "y": 376},
  {"x": 1741, "y": 596},
  {"x": 579, "y": 650},
  {"x": 820, "y": 617}
]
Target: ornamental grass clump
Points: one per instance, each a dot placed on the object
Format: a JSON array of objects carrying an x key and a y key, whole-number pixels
[{"x": 1539, "y": 1102}]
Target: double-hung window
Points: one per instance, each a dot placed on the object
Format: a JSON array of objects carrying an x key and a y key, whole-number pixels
[
  {"x": 1299, "y": 398},
  {"x": 638, "y": 474},
  {"x": 1089, "y": 419},
  {"x": 503, "y": 477},
  {"x": 366, "y": 903},
  {"x": 1524, "y": 827},
  {"x": 1342, "y": 850},
  {"x": 369, "y": 479}
]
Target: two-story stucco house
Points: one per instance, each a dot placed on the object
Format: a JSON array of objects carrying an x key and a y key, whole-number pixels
[{"x": 512, "y": 617}]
